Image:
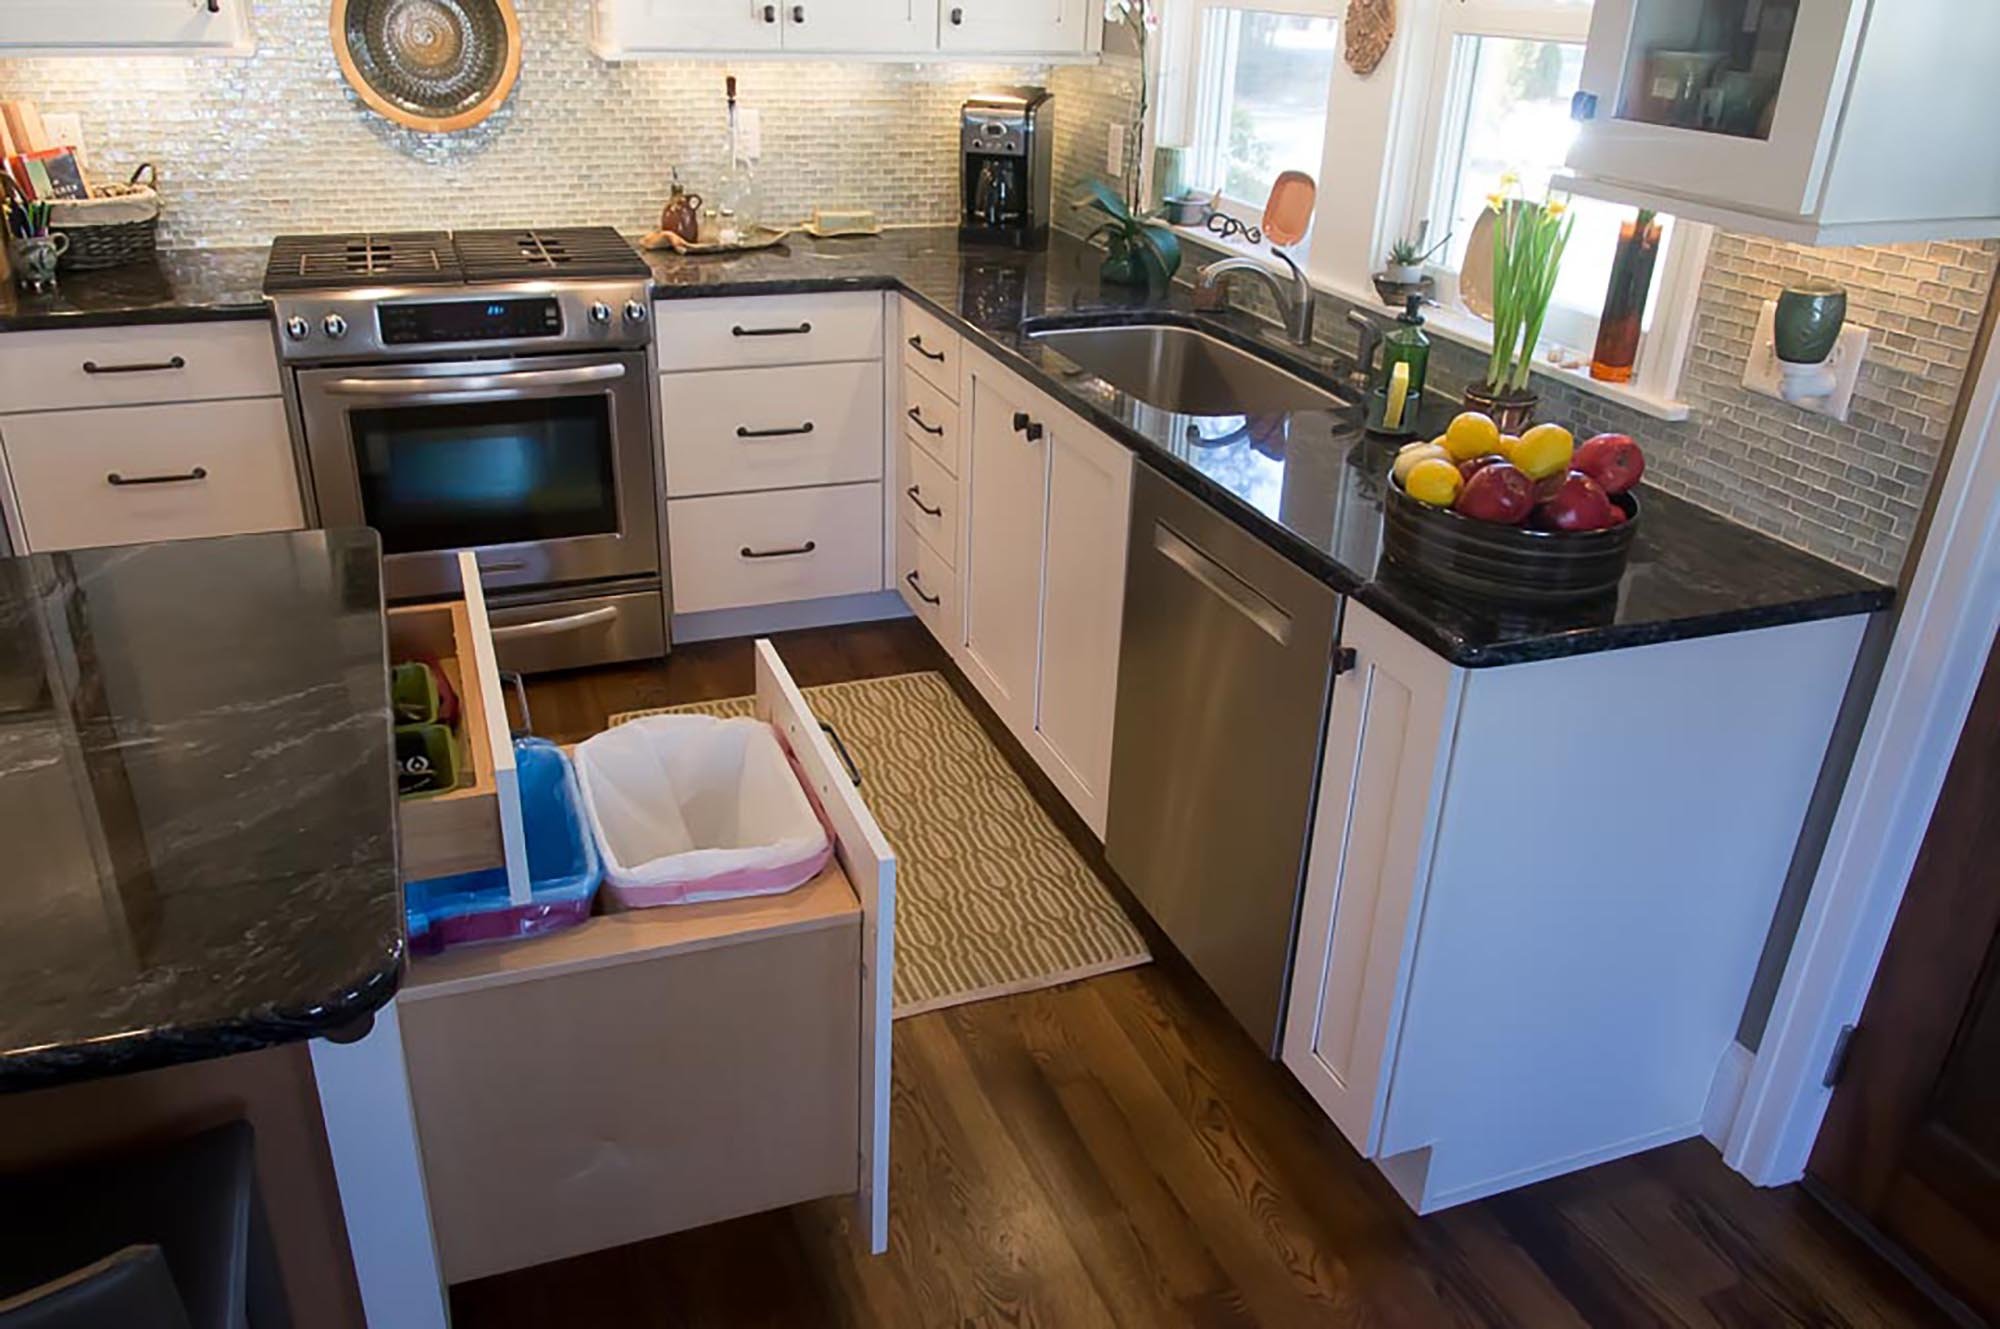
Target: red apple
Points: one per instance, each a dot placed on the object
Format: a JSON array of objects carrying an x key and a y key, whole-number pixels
[
  {"x": 1468, "y": 469},
  {"x": 1498, "y": 493},
  {"x": 1613, "y": 460},
  {"x": 1579, "y": 505}
]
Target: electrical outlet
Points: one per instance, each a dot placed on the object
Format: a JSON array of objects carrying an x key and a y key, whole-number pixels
[
  {"x": 750, "y": 131},
  {"x": 1114, "y": 155},
  {"x": 1764, "y": 373}
]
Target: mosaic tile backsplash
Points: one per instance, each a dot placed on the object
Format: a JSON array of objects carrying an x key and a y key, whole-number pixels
[{"x": 277, "y": 142}]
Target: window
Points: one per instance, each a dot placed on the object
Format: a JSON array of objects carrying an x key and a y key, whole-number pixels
[
  {"x": 1506, "y": 70},
  {"x": 1256, "y": 100}
]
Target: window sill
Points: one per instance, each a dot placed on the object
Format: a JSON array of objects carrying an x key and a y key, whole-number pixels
[{"x": 1462, "y": 327}]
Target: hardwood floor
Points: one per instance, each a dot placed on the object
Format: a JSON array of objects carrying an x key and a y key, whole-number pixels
[{"x": 1117, "y": 1152}]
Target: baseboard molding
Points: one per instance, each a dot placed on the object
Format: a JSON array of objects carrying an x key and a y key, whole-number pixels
[
  {"x": 1528, "y": 1176},
  {"x": 1725, "y": 1094},
  {"x": 761, "y": 620}
]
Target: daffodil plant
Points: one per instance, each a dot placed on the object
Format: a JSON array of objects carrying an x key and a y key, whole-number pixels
[{"x": 1528, "y": 244}]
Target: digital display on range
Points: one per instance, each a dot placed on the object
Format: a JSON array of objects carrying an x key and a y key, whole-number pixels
[{"x": 469, "y": 320}]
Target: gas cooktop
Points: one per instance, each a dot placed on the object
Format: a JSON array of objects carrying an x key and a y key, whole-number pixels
[{"x": 439, "y": 258}]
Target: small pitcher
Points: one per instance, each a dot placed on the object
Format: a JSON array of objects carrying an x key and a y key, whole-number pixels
[
  {"x": 34, "y": 260},
  {"x": 682, "y": 215}
]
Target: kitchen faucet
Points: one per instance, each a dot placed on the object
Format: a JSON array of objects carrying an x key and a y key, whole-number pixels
[{"x": 1298, "y": 307}]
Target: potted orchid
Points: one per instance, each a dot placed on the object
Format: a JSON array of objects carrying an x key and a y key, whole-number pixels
[
  {"x": 1529, "y": 240},
  {"x": 1141, "y": 250}
]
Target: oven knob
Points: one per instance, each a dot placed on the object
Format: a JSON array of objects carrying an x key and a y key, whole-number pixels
[
  {"x": 335, "y": 325},
  {"x": 635, "y": 311},
  {"x": 600, "y": 313},
  {"x": 297, "y": 328}
]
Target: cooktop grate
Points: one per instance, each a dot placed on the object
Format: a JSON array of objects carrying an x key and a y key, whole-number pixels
[
  {"x": 336, "y": 262},
  {"x": 527, "y": 253}
]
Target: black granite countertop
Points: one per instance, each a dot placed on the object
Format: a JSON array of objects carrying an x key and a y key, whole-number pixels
[
  {"x": 197, "y": 795},
  {"x": 1308, "y": 483},
  {"x": 183, "y": 286}
]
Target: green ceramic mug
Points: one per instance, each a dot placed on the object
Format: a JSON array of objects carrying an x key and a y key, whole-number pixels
[
  {"x": 1810, "y": 316},
  {"x": 35, "y": 259}
]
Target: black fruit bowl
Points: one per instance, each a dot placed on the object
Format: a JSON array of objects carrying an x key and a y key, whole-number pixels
[{"x": 1510, "y": 563}]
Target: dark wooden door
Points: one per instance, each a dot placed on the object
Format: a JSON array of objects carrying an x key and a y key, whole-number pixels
[{"x": 1912, "y": 1139}]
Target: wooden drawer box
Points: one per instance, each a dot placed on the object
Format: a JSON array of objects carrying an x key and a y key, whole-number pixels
[
  {"x": 50, "y": 371},
  {"x": 737, "y": 430},
  {"x": 931, "y": 348},
  {"x": 739, "y": 550},
  {"x": 742, "y": 332},
  {"x": 470, "y": 828},
  {"x": 132, "y": 474}
]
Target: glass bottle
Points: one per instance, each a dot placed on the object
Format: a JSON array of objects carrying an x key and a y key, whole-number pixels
[
  {"x": 736, "y": 199},
  {"x": 1625, "y": 302}
]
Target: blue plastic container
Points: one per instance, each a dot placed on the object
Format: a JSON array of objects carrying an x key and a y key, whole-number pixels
[{"x": 563, "y": 868}]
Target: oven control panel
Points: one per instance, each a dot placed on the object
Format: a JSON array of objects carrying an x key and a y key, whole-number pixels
[{"x": 442, "y": 322}]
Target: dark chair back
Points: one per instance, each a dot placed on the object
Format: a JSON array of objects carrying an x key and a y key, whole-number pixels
[{"x": 131, "y": 1289}]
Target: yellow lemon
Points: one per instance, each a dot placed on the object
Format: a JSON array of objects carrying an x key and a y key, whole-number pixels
[
  {"x": 1471, "y": 435},
  {"x": 1544, "y": 451},
  {"x": 1507, "y": 442},
  {"x": 1434, "y": 481},
  {"x": 1412, "y": 453}
]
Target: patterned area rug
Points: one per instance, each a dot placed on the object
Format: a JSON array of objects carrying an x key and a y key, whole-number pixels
[{"x": 991, "y": 899}]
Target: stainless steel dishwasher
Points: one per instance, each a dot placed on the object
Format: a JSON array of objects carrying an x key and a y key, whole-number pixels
[{"x": 1223, "y": 683}]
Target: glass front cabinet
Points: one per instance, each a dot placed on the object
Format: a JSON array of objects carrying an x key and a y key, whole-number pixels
[{"x": 1821, "y": 121}]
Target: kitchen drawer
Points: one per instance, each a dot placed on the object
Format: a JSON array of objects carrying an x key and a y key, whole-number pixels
[
  {"x": 930, "y": 420},
  {"x": 931, "y": 348},
  {"x": 744, "y": 331},
  {"x": 927, "y": 496},
  {"x": 738, "y": 550},
  {"x": 51, "y": 371},
  {"x": 730, "y": 431},
  {"x": 472, "y": 827},
  {"x": 928, "y": 585},
  {"x": 130, "y": 474}
]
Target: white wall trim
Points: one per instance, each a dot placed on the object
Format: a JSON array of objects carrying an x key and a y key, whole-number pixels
[
  {"x": 1949, "y": 617},
  {"x": 1725, "y": 1095}
]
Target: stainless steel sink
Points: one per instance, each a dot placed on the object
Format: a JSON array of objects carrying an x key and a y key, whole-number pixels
[{"x": 1187, "y": 372}]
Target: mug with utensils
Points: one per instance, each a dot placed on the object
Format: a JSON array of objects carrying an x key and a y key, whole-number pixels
[{"x": 34, "y": 260}]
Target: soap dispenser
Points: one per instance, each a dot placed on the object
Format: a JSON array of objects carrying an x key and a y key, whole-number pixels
[{"x": 1398, "y": 394}]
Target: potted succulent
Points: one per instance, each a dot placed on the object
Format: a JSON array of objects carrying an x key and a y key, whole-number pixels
[
  {"x": 1529, "y": 240},
  {"x": 1407, "y": 258},
  {"x": 1141, "y": 251}
]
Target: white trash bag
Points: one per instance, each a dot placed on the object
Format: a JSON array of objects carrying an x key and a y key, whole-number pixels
[{"x": 689, "y": 808}]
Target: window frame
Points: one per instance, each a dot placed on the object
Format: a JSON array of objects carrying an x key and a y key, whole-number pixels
[
  {"x": 1446, "y": 88},
  {"x": 1188, "y": 104}
]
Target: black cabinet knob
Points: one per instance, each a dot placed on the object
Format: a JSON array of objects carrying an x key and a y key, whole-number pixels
[{"x": 958, "y": 18}]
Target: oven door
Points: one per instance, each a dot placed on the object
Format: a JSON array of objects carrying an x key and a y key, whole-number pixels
[{"x": 543, "y": 465}]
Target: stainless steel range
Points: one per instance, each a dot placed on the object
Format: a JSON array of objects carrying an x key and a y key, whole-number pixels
[{"x": 492, "y": 391}]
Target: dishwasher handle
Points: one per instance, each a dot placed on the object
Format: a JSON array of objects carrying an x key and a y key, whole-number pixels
[{"x": 1231, "y": 589}]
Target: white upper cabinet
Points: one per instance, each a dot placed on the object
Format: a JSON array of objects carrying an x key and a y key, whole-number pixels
[
  {"x": 651, "y": 27},
  {"x": 877, "y": 26},
  {"x": 1817, "y": 121},
  {"x": 125, "y": 25},
  {"x": 1054, "y": 27}
]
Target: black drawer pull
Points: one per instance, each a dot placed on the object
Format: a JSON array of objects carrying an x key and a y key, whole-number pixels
[
  {"x": 743, "y": 432},
  {"x": 846, "y": 758},
  {"x": 163, "y": 366},
  {"x": 917, "y": 497},
  {"x": 123, "y": 481},
  {"x": 805, "y": 548},
  {"x": 917, "y": 418},
  {"x": 917, "y": 345},
  {"x": 800, "y": 331},
  {"x": 922, "y": 594},
  {"x": 1023, "y": 425}
]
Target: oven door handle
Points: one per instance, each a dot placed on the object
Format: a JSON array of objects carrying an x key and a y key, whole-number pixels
[
  {"x": 556, "y": 627},
  {"x": 521, "y": 382}
]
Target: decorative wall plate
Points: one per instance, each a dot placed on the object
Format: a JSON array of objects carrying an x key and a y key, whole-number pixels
[
  {"x": 1371, "y": 26},
  {"x": 432, "y": 65}
]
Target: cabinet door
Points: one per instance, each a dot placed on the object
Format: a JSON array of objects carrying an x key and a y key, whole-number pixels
[
  {"x": 123, "y": 24},
  {"x": 646, "y": 26},
  {"x": 1714, "y": 101},
  {"x": 1054, "y": 27},
  {"x": 860, "y": 25},
  {"x": 1005, "y": 517},
  {"x": 1387, "y": 743},
  {"x": 1083, "y": 609}
]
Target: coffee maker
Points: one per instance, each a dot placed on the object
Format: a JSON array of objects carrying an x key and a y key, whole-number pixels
[{"x": 1007, "y": 140}]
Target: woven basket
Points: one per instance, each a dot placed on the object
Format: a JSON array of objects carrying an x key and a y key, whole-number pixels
[{"x": 119, "y": 225}]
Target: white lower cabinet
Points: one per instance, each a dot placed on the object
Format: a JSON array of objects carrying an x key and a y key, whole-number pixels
[
  {"x": 131, "y": 474},
  {"x": 1045, "y": 511},
  {"x": 1536, "y": 895},
  {"x": 738, "y": 551}
]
